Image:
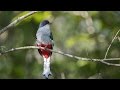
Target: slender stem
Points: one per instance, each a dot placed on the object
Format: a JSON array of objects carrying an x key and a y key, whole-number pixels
[
  {"x": 111, "y": 43},
  {"x": 65, "y": 54},
  {"x": 16, "y": 21}
]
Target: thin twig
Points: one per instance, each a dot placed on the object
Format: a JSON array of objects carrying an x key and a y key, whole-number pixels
[
  {"x": 119, "y": 38},
  {"x": 111, "y": 43},
  {"x": 109, "y": 49},
  {"x": 112, "y": 64},
  {"x": 16, "y": 21},
  {"x": 65, "y": 54}
]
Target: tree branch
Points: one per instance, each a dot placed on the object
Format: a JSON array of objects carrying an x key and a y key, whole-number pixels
[
  {"x": 111, "y": 43},
  {"x": 108, "y": 50},
  {"x": 65, "y": 54},
  {"x": 16, "y": 21},
  {"x": 119, "y": 38}
]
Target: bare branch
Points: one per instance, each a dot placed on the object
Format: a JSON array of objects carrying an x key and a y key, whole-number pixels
[
  {"x": 19, "y": 48},
  {"x": 111, "y": 43},
  {"x": 119, "y": 38},
  {"x": 16, "y": 21},
  {"x": 109, "y": 63},
  {"x": 65, "y": 54},
  {"x": 108, "y": 50}
]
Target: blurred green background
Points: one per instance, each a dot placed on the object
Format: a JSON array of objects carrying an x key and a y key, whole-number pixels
[{"x": 81, "y": 33}]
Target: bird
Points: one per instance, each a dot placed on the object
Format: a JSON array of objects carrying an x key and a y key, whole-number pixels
[{"x": 44, "y": 38}]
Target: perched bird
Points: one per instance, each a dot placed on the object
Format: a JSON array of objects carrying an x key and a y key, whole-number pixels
[{"x": 44, "y": 38}]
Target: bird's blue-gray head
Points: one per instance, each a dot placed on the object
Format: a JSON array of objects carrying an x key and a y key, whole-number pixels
[{"x": 44, "y": 22}]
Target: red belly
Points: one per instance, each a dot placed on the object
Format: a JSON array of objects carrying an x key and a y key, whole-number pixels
[{"x": 43, "y": 52}]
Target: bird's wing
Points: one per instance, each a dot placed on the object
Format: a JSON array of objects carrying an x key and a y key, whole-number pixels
[{"x": 51, "y": 37}]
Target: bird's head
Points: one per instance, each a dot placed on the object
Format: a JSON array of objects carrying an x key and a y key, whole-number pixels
[{"x": 44, "y": 22}]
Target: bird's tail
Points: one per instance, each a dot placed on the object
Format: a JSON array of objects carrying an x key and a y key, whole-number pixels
[{"x": 46, "y": 71}]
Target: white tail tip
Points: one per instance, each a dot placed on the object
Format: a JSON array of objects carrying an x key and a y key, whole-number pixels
[{"x": 47, "y": 74}]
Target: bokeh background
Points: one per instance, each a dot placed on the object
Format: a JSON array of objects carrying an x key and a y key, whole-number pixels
[{"x": 81, "y": 33}]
